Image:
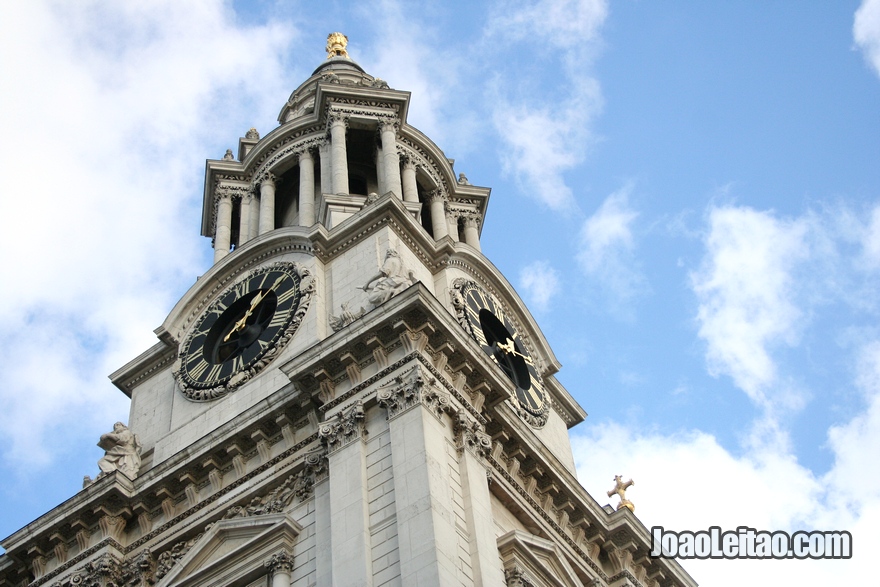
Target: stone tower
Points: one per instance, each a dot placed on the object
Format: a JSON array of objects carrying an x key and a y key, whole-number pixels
[{"x": 351, "y": 395}]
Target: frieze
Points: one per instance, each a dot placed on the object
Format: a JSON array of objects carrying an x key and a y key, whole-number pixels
[
  {"x": 336, "y": 101},
  {"x": 177, "y": 520},
  {"x": 539, "y": 509}
]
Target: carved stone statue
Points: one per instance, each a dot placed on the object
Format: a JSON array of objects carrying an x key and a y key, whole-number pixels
[
  {"x": 228, "y": 156},
  {"x": 620, "y": 487},
  {"x": 390, "y": 281},
  {"x": 463, "y": 180},
  {"x": 345, "y": 318},
  {"x": 123, "y": 452}
]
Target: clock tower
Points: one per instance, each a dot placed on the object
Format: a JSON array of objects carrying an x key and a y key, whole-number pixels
[{"x": 352, "y": 394}]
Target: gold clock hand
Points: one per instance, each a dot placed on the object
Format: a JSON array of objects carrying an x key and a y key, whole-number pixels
[
  {"x": 242, "y": 322},
  {"x": 509, "y": 348}
]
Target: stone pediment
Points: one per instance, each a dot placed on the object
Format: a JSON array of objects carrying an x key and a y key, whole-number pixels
[
  {"x": 234, "y": 551},
  {"x": 534, "y": 561}
]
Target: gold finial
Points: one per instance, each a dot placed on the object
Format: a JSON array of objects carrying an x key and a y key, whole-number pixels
[
  {"x": 336, "y": 43},
  {"x": 620, "y": 489}
]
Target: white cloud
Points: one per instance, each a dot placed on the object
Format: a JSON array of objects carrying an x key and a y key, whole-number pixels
[
  {"x": 745, "y": 291},
  {"x": 540, "y": 282},
  {"x": 866, "y": 32},
  {"x": 855, "y": 478},
  {"x": 688, "y": 481},
  {"x": 113, "y": 107},
  {"x": 607, "y": 246},
  {"x": 546, "y": 129}
]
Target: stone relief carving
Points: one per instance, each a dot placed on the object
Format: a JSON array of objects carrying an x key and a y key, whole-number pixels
[
  {"x": 415, "y": 387},
  {"x": 345, "y": 427},
  {"x": 620, "y": 488},
  {"x": 402, "y": 392},
  {"x": 122, "y": 453},
  {"x": 345, "y": 317},
  {"x": 104, "y": 571},
  {"x": 516, "y": 577},
  {"x": 391, "y": 279},
  {"x": 471, "y": 436},
  {"x": 281, "y": 561},
  {"x": 170, "y": 557}
]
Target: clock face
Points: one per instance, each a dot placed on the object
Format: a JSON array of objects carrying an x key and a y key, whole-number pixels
[
  {"x": 498, "y": 337},
  {"x": 239, "y": 328}
]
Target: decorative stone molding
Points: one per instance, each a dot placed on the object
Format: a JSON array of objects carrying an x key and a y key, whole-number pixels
[
  {"x": 517, "y": 577},
  {"x": 281, "y": 561},
  {"x": 470, "y": 436},
  {"x": 172, "y": 556},
  {"x": 295, "y": 147},
  {"x": 104, "y": 571},
  {"x": 337, "y": 116},
  {"x": 344, "y": 428},
  {"x": 392, "y": 122},
  {"x": 139, "y": 571}
]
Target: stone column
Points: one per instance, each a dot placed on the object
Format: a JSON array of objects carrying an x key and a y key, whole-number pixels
[
  {"x": 471, "y": 232},
  {"x": 306, "y": 188},
  {"x": 338, "y": 154},
  {"x": 380, "y": 172},
  {"x": 254, "y": 228},
  {"x": 280, "y": 566},
  {"x": 452, "y": 224},
  {"x": 326, "y": 168},
  {"x": 438, "y": 215},
  {"x": 244, "y": 224},
  {"x": 410, "y": 187},
  {"x": 349, "y": 502},
  {"x": 267, "y": 204},
  {"x": 390, "y": 158},
  {"x": 223, "y": 227}
]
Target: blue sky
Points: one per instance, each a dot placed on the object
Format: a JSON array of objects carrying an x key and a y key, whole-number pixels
[{"x": 686, "y": 194}]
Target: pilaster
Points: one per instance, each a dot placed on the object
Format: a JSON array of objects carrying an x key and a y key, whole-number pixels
[
  {"x": 427, "y": 537},
  {"x": 351, "y": 556}
]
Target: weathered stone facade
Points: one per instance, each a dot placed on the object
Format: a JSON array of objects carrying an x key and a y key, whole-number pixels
[{"x": 377, "y": 446}]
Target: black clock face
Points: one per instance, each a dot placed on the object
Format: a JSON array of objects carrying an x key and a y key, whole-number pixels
[
  {"x": 497, "y": 336},
  {"x": 240, "y": 327}
]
